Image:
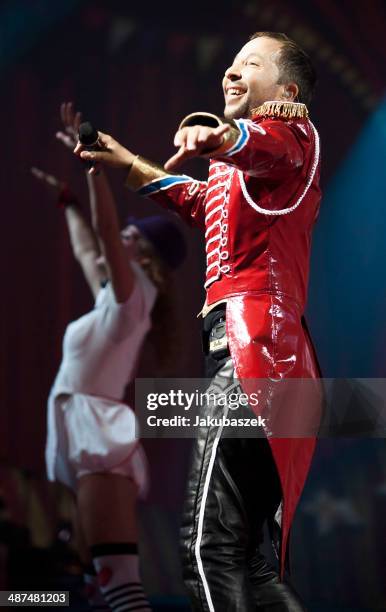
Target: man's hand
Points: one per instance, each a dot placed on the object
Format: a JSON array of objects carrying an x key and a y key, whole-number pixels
[
  {"x": 194, "y": 141},
  {"x": 71, "y": 122},
  {"x": 113, "y": 153}
]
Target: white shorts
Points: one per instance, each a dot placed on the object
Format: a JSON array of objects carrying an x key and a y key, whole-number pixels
[{"x": 87, "y": 435}]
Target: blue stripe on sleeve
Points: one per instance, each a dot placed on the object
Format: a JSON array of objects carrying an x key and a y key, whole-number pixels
[
  {"x": 163, "y": 183},
  {"x": 241, "y": 141}
]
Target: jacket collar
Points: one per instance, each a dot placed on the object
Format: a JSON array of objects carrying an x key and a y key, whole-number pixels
[{"x": 279, "y": 108}]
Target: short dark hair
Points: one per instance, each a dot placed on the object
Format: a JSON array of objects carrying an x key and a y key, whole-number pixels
[{"x": 294, "y": 64}]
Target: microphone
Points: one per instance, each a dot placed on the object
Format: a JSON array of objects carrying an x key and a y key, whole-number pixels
[{"x": 88, "y": 137}]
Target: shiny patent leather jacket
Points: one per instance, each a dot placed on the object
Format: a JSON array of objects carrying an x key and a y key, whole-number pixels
[{"x": 257, "y": 210}]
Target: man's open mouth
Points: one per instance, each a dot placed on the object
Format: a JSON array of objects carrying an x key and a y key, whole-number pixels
[{"x": 234, "y": 92}]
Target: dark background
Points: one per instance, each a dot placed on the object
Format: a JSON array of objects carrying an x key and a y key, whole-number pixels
[{"x": 135, "y": 69}]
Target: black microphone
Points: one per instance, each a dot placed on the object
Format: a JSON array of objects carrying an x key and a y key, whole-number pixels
[{"x": 88, "y": 137}]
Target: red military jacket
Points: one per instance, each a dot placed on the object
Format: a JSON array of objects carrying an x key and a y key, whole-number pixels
[{"x": 258, "y": 209}]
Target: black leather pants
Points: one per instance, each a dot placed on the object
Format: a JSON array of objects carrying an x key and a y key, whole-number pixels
[{"x": 232, "y": 490}]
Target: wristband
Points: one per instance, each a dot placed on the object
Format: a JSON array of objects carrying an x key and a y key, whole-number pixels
[
  {"x": 67, "y": 198},
  {"x": 141, "y": 171},
  {"x": 213, "y": 121}
]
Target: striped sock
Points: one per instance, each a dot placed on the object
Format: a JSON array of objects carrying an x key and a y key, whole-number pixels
[
  {"x": 93, "y": 593},
  {"x": 117, "y": 567}
]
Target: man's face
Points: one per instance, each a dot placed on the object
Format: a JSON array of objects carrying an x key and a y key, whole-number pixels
[{"x": 252, "y": 78}]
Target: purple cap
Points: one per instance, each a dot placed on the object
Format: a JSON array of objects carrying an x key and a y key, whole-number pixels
[{"x": 166, "y": 238}]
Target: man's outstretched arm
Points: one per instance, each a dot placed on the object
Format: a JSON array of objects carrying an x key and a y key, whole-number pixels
[
  {"x": 177, "y": 192},
  {"x": 266, "y": 148}
]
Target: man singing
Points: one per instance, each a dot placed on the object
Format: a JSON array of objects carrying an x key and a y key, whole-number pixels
[{"x": 257, "y": 210}]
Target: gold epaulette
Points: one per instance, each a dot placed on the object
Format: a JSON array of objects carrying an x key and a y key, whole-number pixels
[{"x": 279, "y": 108}]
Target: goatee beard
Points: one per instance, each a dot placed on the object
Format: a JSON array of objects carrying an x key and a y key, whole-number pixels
[{"x": 241, "y": 112}]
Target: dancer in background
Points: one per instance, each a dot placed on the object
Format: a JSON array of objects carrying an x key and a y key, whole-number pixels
[{"x": 91, "y": 446}]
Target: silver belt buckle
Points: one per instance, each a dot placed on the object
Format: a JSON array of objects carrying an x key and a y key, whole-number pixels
[{"x": 218, "y": 340}]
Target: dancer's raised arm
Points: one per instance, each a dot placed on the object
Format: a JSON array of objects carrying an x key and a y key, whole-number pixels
[
  {"x": 82, "y": 237},
  {"x": 115, "y": 254}
]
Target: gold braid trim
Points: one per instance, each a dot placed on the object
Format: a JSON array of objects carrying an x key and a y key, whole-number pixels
[{"x": 278, "y": 108}]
